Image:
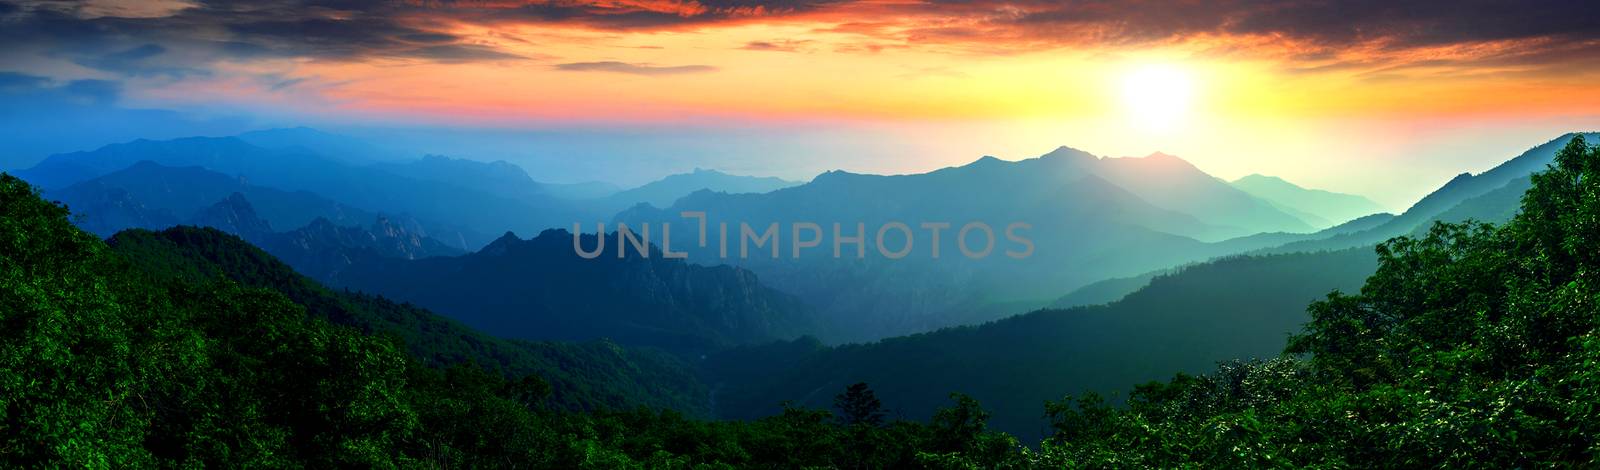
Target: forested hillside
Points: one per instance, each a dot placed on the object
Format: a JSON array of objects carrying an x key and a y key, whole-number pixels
[
  {"x": 541, "y": 289},
  {"x": 189, "y": 348},
  {"x": 583, "y": 376},
  {"x": 1471, "y": 346},
  {"x": 1239, "y": 307}
]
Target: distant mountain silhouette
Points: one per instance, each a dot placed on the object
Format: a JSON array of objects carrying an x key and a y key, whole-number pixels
[
  {"x": 1491, "y": 196},
  {"x": 235, "y": 215},
  {"x": 343, "y": 148},
  {"x": 183, "y": 192},
  {"x": 474, "y": 208},
  {"x": 322, "y": 248},
  {"x": 500, "y": 178},
  {"x": 541, "y": 289},
  {"x": 583, "y": 190},
  {"x": 1172, "y": 183},
  {"x": 152, "y": 196},
  {"x": 1322, "y": 208},
  {"x": 1085, "y": 227},
  {"x": 663, "y": 192}
]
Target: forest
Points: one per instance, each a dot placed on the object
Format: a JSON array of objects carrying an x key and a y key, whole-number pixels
[{"x": 1472, "y": 345}]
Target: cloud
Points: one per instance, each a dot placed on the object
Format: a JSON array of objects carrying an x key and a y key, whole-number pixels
[
  {"x": 1295, "y": 31},
  {"x": 141, "y": 61},
  {"x": 460, "y": 53},
  {"x": 634, "y": 69},
  {"x": 786, "y": 45},
  {"x": 629, "y": 14},
  {"x": 192, "y": 35},
  {"x": 20, "y": 81},
  {"x": 17, "y": 85},
  {"x": 176, "y": 38}
]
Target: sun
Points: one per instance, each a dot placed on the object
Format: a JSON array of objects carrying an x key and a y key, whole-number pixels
[{"x": 1157, "y": 97}]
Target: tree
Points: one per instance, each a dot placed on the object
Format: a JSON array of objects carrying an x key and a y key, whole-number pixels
[{"x": 858, "y": 405}]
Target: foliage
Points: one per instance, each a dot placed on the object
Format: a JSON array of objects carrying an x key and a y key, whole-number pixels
[
  {"x": 1472, "y": 346},
  {"x": 188, "y": 348},
  {"x": 859, "y": 406}
]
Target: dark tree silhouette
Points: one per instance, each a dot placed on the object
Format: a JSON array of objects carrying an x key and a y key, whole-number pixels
[{"x": 858, "y": 405}]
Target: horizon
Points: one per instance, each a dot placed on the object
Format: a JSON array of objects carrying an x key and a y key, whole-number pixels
[
  {"x": 824, "y": 234},
  {"x": 1387, "y": 103},
  {"x": 642, "y": 178}
]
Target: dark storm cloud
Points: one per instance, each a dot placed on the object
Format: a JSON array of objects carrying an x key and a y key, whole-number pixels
[
  {"x": 217, "y": 29},
  {"x": 628, "y": 15},
  {"x": 634, "y": 69},
  {"x": 1400, "y": 24},
  {"x": 1549, "y": 30},
  {"x": 1306, "y": 32}
]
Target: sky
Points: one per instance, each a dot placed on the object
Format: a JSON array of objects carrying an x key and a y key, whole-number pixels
[{"x": 1383, "y": 99}]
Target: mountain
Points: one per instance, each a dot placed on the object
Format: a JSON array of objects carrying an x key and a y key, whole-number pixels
[
  {"x": 152, "y": 196},
  {"x": 188, "y": 347},
  {"x": 183, "y": 192},
  {"x": 1235, "y": 307},
  {"x": 321, "y": 249},
  {"x": 500, "y": 178},
  {"x": 541, "y": 289},
  {"x": 1106, "y": 291},
  {"x": 234, "y": 215},
  {"x": 1082, "y": 228},
  {"x": 104, "y": 210},
  {"x": 342, "y": 148},
  {"x": 662, "y": 192},
  {"x": 583, "y": 376},
  {"x": 583, "y": 190},
  {"x": 1465, "y": 189},
  {"x": 61, "y": 170},
  {"x": 1327, "y": 208},
  {"x": 471, "y": 208},
  {"x": 1173, "y": 183}
]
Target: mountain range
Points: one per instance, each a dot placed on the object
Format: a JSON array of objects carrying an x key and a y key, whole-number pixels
[
  {"x": 1238, "y": 307},
  {"x": 1493, "y": 196},
  {"x": 1088, "y": 218},
  {"x": 1319, "y": 208},
  {"x": 541, "y": 289},
  {"x": 1115, "y": 333},
  {"x": 1139, "y": 258}
]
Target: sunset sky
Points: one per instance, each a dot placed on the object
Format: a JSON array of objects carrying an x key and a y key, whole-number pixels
[{"x": 1384, "y": 100}]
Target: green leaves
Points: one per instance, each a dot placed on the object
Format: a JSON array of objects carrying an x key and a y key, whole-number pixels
[{"x": 1470, "y": 346}]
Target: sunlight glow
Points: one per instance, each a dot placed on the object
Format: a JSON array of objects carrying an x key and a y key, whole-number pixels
[{"x": 1157, "y": 98}]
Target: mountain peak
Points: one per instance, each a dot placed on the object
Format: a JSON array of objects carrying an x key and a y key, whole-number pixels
[
  {"x": 501, "y": 245},
  {"x": 234, "y": 215},
  {"x": 321, "y": 224},
  {"x": 1257, "y": 178},
  {"x": 1066, "y": 152},
  {"x": 832, "y": 175}
]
